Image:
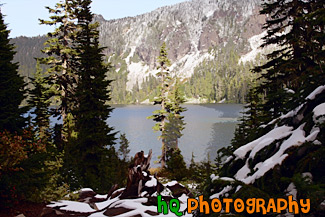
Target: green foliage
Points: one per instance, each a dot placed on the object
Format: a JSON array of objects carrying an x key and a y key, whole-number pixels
[
  {"x": 176, "y": 165},
  {"x": 161, "y": 99},
  {"x": 221, "y": 78},
  {"x": 124, "y": 147},
  {"x": 40, "y": 100},
  {"x": 91, "y": 152},
  {"x": 53, "y": 189},
  {"x": 59, "y": 53},
  {"x": 12, "y": 86},
  {"x": 168, "y": 118}
]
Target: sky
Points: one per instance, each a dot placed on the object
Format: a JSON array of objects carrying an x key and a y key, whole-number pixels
[{"x": 22, "y": 16}]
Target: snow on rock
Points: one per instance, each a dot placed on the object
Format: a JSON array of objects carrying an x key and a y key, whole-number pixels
[
  {"x": 319, "y": 113},
  {"x": 171, "y": 183},
  {"x": 125, "y": 202},
  {"x": 292, "y": 112},
  {"x": 85, "y": 189},
  {"x": 152, "y": 182},
  {"x": 101, "y": 196},
  {"x": 308, "y": 176},
  {"x": 227, "y": 179},
  {"x": 238, "y": 188},
  {"x": 255, "y": 43},
  {"x": 258, "y": 144},
  {"x": 317, "y": 91},
  {"x": 188, "y": 63},
  {"x": 291, "y": 190},
  {"x": 221, "y": 193},
  {"x": 210, "y": 13},
  {"x": 137, "y": 73},
  {"x": 72, "y": 206},
  {"x": 297, "y": 138},
  {"x": 287, "y": 134}
]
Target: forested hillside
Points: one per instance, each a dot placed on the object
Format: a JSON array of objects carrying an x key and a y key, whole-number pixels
[{"x": 202, "y": 37}]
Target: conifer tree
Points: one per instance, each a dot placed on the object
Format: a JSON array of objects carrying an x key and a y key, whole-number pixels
[
  {"x": 175, "y": 124},
  {"x": 168, "y": 118},
  {"x": 40, "y": 100},
  {"x": 292, "y": 65},
  {"x": 95, "y": 155},
  {"x": 12, "y": 86},
  {"x": 160, "y": 116},
  {"x": 60, "y": 51},
  {"x": 124, "y": 147}
]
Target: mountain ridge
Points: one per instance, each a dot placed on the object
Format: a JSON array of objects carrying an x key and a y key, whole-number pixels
[{"x": 195, "y": 32}]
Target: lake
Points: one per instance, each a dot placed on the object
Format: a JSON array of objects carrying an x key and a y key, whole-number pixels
[{"x": 208, "y": 128}]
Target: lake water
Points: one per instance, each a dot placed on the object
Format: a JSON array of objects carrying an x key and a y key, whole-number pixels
[{"x": 208, "y": 128}]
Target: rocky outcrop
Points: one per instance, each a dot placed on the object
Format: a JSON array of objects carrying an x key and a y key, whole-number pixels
[{"x": 139, "y": 198}]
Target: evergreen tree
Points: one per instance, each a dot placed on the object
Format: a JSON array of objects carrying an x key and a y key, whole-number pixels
[
  {"x": 176, "y": 165},
  {"x": 60, "y": 52},
  {"x": 160, "y": 116},
  {"x": 95, "y": 155},
  {"x": 12, "y": 86},
  {"x": 168, "y": 118},
  {"x": 292, "y": 65},
  {"x": 40, "y": 100},
  {"x": 124, "y": 147},
  {"x": 175, "y": 121}
]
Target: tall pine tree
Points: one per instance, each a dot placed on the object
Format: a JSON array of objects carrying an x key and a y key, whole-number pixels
[
  {"x": 168, "y": 117},
  {"x": 160, "y": 116},
  {"x": 95, "y": 155},
  {"x": 60, "y": 52},
  {"x": 12, "y": 86},
  {"x": 295, "y": 28}
]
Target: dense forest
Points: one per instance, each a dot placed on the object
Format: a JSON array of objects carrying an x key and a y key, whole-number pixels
[
  {"x": 277, "y": 151},
  {"x": 221, "y": 78}
]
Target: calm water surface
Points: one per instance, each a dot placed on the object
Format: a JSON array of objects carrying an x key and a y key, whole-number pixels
[{"x": 208, "y": 128}]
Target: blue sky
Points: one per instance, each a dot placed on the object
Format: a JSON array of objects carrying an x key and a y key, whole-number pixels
[{"x": 22, "y": 15}]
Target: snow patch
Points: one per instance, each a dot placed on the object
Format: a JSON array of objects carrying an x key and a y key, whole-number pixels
[
  {"x": 137, "y": 73},
  {"x": 297, "y": 138},
  {"x": 255, "y": 43},
  {"x": 267, "y": 139},
  {"x": 209, "y": 14},
  {"x": 101, "y": 196},
  {"x": 319, "y": 113},
  {"x": 152, "y": 182},
  {"x": 227, "y": 179},
  {"x": 317, "y": 91},
  {"x": 221, "y": 193},
  {"x": 72, "y": 206}
]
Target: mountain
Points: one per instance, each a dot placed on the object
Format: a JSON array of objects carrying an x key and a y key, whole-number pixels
[{"x": 198, "y": 33}]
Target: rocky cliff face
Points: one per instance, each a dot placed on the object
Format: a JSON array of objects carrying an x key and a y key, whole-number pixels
[
  {"x": 194, "y": 31},
  {"x": 191, "y": 29}
]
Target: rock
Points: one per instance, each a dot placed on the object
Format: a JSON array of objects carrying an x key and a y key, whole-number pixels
[
  {"x": 111, "y": 191},
  {"x": 138, "y": 174},
  {"x": 117, "y": 193},
  {"x": 48, "y": 212},
  {"x": 151, "y": 213},
  {"x": 141, "y": 186},
  {"x": 86, "y": 195},
  {"x": 116, "y": 211},
  {"x": 177, "y": 190}
]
